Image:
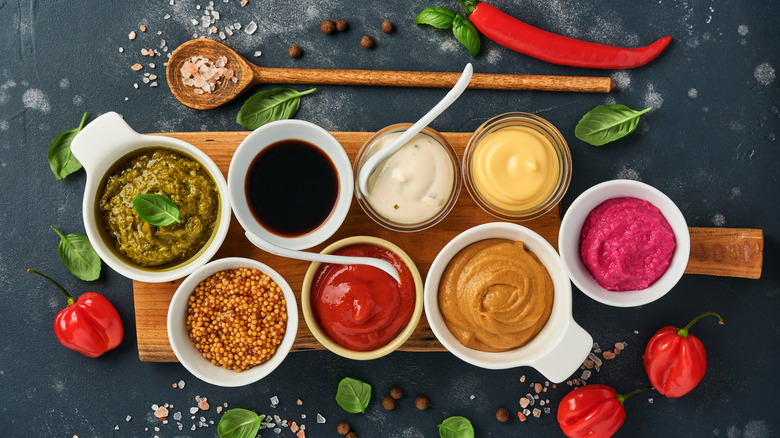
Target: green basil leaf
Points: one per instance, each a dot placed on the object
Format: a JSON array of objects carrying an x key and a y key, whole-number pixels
[
  {"x": 466, "y": 33},
  {"x": 239, "y": 423},
  {"x": 353, "y": 395},
  {"x": 269, "y": 106},
  {"x": 156, "y": 209},
  {"x": 61, "y": 159},
  {"x": 440, "y": 18},
  {"x": 78, "y": 255},
  {"x": 456, "y": 427},
  {"x": 607, "y": 123}
]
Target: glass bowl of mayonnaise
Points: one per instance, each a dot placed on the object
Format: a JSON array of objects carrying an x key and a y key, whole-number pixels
[
  {"x": 517, "y": 166},
  {"x": 416, "y": 187}
]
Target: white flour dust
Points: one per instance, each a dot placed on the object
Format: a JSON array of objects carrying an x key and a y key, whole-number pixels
[
  {"x": 36, "y": 100},
  {"x": 622, "y": 79},
  {"x": 693, "y": 93},
  {"x": 718, "y": 220},
  {"x": 627, "y": 173},
  {"x": 742, "y": 29},
  {"x": 653, "y": 98},
  {"x": 764, "y": 74}
]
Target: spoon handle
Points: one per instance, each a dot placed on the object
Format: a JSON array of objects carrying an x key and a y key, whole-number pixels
[
  {"x": 388, "y": 78},
  {"x": 322, "y": 258}
]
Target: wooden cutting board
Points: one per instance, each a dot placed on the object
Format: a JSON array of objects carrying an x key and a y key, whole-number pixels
[{"x": 714, "y": 251}]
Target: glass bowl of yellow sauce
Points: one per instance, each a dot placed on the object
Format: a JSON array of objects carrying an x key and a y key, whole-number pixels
[{"x": 517, "y": 166}]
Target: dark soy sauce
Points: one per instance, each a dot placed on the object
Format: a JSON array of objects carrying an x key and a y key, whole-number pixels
[{"x": 291, "y": 187}]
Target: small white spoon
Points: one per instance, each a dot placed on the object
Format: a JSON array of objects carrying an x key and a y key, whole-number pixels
[
  {"x": 322, "y": 258},
  {"x": 368, "y": 167}
]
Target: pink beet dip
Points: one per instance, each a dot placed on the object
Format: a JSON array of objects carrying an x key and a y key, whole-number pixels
[{"x": 626, "y": 243}]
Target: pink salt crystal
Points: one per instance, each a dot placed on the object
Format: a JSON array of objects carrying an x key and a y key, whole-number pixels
[
  {"x": 521, "y": 416},
  {"x": 203, "y": 404},
  {"x": 301, "y": 434},
  {"x": 161, "y": 412},
  {"x": 609, "y": 355},
  {"x": 538, "y": 387},
  {"x": 131, "y": 35},
  {"x": 294, "y": 427},
  {"x": 299, "y": 402},
  {"x": 524, "y": 402},
  {"x": 537, "y": 412}
]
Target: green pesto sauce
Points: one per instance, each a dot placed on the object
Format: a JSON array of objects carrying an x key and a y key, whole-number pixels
[{"x": 165, "y": 172}]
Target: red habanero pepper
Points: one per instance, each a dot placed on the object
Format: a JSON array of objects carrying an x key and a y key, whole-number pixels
[
  {"x": 676, "y": 361},
  {"x": 593, "y": 411},
  {"x": 550, "y": 47},
  {"x": 89, "y": 325}
]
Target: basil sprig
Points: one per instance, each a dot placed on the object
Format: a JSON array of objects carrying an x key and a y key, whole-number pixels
[
  {"x": 61, "y": 159},
  {"x": 269, "y": 106},
  {"x": 353, "y": 395},
  {"x": 607, "y": 123},
  {"x": 78, "y": 255},
  {"x": 456, "y": 427},
  {"x": 463, "y": 29},
  {"x": 239, "y": 423},
  {"x": 156, "y": 209}
]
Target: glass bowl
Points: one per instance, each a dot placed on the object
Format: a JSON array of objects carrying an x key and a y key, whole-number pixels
[
  {"x": 549, "y": 137},
  {"x": 370, "y": 147}
]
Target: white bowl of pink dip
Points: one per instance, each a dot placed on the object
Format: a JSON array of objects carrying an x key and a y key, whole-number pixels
[{"x": 624, "y": 243}]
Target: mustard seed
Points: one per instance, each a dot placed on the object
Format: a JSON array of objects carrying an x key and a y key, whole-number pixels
[
  {"x": 396, "y": 393},
  {"x": 388, "y": 403},
  {"x": 422, "y": 402},
  {"x": 352, "y": 435},
  {"x": 295, "y": 51},
  {"x": 341, "y": 25},
  {"x": 387, "y": 27},
  {"x": 343, "y": 428},
  {"x": 502, "y": 415}
]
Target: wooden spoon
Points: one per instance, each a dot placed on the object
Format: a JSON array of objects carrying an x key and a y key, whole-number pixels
[{"x": 249, "y": 75}]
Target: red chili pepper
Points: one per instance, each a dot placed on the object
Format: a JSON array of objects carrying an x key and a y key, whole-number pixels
[
  {"x": 557, "y": 49},
  {"x": 593, "y": 411},
  {"x": 89, "y": 325},
  {"x": 676, "y": 361}
]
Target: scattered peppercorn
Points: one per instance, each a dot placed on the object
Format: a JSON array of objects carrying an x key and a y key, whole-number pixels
[
  {"x": 388, "y": 403},
  {"x": 328, "y": 27},
  {"x": 502, "y": 415},
  {"x": 387, "y": 27},
  {"x": 295, "y": 51},
  {"x": 341, "y": 25},
  {"x": 421, "y": 402},
  {"x": 343, "y": 428},
  {"x": 367, "y": 42},
  {"x": 396, "y": 393},
  {"x": 352, "y": 435}
]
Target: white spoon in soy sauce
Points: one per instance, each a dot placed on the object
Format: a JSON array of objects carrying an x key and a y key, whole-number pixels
[{"x": 375, "y": 160}]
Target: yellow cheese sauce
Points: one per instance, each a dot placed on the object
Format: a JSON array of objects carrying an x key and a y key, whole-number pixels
[{"x": 515, "y": 168}]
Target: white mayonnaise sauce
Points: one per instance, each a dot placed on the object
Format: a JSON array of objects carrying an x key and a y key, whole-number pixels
[{"x": 413, "y": 184}]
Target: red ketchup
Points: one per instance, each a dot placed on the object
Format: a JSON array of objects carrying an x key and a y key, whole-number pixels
[{"x": 360, "y": 307}]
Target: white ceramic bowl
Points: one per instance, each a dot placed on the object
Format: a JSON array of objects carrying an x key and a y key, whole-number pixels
[
  {"x": 558, "y": 349},
  {"x": 102, "y": 143},
  {"x": 569, "y": 242},
  {"x": 267, "y": 135},
  {"x": 190, "y": 357}
]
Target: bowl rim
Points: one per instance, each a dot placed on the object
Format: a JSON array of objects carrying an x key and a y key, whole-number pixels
[
  {"x": 546, "y": 341},
  {"x": 273, "y": 132},
  {"x": 130, "y": 143},
  {"x": 188, "y": 355},
  {"x": 418, "y": 226},
  {"x": 391, "y": 346},
  {"x": 569, "y": 242},
  {"x": 560, "y": 146}
]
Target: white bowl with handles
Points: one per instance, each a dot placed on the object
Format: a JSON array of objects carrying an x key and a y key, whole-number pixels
[
  {"x": 109, "y": 139},
  {"x": 557, "y": 350}
]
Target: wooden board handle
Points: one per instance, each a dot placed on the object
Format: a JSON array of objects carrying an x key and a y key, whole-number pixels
[
  {"x": 727, "y": 252},
  {"x": 387, "y": 78}
]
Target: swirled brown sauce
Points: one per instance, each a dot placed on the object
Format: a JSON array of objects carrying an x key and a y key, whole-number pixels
[
  {"x": 495, "y": 295},
  {"x": 167, "y": 172}
]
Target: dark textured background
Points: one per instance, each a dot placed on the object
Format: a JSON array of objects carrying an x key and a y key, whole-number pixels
[{"x": 710, "y": 144}]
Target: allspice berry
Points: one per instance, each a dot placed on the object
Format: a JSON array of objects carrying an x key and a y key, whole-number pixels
[
  {"x": 328, "y": 27},
  {"x": 343, "y": 428},
  {"x": 367, "y": 42},
  {"x": 294, "y": 51},
  {"x": 352, "y": 435},
  {"x": 396, "y": 393},
  {"x": 502, "y": 415},
  {"x": 421, "y": 402},
  {"x": 341, "y": 25},
  {"x": 387, "y": 27},
  {"x": 388, "y": 403}
]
